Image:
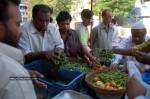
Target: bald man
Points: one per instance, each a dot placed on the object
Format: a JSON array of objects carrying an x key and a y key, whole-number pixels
[{"x": 138, "y": 36}]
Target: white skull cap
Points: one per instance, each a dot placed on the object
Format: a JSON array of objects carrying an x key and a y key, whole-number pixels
[{"x": 138, "y": 25}]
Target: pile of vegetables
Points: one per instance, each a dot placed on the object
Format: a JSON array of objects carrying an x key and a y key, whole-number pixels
[
  {"x": 63, "y": 62},
  {"x": 106, "y": 54},
  {"x": 98, "y": 69},
  {"x": 77, "y": 66},
  {"x": 110, "y": 80}
]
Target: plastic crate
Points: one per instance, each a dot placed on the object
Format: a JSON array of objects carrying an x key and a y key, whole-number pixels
[
  {"x": 72, "y": 78},
  {"x": 146, "y": 76}
]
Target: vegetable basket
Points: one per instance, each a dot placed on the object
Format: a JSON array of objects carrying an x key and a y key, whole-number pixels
[
  {"x": 102, "y": 91},
  {"x": 68, "y": 79}
]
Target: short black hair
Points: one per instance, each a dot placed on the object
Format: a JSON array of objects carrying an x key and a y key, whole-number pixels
[
  {"x": 41, "y": 8},
  {"x": 114, "y": 21},
  {"x": 63, "y": 15},
  {"x": 51, "y": 20},
  {"x": 4, "y": 8},
  {"x": 104, "y": 11},
  {"x": 87, "y": 13}
]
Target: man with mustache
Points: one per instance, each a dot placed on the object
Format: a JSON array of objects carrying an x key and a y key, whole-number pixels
[{"x": 11, "y": 59}]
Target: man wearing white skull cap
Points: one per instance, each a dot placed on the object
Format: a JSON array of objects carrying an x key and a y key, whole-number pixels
[
  {"x": 138, "y": 36},
  {"x": 134, "y": 89}
]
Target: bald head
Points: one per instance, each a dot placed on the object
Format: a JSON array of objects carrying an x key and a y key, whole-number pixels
[{"x": 138, "y": 32}]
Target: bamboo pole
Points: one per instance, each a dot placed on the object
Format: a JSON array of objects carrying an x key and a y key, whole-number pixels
[{"x": 91, "y": 26}]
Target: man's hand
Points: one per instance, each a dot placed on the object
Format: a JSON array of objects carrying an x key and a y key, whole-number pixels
[
  {"x": 35, "y": 74},
  {"x": 56, "y": 50},
  {"x": 142, "y": 57},
  {"x": 134, "y": 88},
  {"x": 50, "y": 55},
  {"x": 114, "y": 66}
]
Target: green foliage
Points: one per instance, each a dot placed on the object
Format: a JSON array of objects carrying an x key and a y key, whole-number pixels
[
  {"x": 105, "y": 53},
  {"x": 56, "y": 5},
  {"x": 119, "y": 7}
]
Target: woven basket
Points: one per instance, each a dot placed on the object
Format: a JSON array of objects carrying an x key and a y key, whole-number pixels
[{"x": 101, "y": 91}]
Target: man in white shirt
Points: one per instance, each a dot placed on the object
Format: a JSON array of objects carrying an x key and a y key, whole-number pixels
[
  {"x": 138, "y": 32},
  {"x": 12, "y": 84},
  {"x": 39, "y": 37},
  {"x": 104, "y": 35}
]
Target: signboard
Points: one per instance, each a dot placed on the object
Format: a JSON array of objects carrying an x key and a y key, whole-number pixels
[{"x": 135, "y": 15}]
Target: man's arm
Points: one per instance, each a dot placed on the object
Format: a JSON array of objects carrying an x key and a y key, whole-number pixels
[
  {"x": 144, "y": 47},
  {"x": 123, "y": 44},
  {"x": 123, "y": 51},
  {"x": 37, "y": 55}
]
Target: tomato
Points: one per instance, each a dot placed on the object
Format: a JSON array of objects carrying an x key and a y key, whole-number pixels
[
  {"x": 117, "y": 86},
  {"x": 120, "y": 88},
  {"x": 95, "y": 79},
  {"x": 110, "y": 88},
  {"x": 107, "y": 84},
  {"x": 102, "y": 86},
  {"x": 107, "y": 87},
  {"x": 113, "y": 84},
  {"x": 142, "y": 70}
]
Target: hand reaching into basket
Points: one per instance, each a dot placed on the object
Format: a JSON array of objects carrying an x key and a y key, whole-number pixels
[
  {"x": 114, "y": 66},
  {"x": 34, "y": 75}
]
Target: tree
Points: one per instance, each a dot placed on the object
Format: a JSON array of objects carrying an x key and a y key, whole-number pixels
[
  {"x": 119, "y": 7},
  {"x": 56, "y": 5}
]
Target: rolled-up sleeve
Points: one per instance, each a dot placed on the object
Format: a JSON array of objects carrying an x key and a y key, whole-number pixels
[{"x": 24, "y": 42}]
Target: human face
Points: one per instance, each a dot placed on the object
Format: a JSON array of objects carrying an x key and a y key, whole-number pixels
[
  {"x": 41, "y": 20},
  {"x": 11, "y": 27},
  {"x": 107, "y": 18},
  {"x": 87, "y": 21},
  {"x": 138, "y": 35},
  {"x": 64, "y": 25}
]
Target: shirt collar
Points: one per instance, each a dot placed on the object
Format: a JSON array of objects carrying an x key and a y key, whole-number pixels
[
  {"x": 83, "y": 26},
  {"x": 12, "y": 52},
  {"x": 102, "y": 26},
  {"x": 34, "y": 30}
]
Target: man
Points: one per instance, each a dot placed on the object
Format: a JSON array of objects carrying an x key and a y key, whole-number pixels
[
  {"x": 11, "y": 59},
  {"x": 83, "y": 33},
  {"x": 113, "y": 22},
  {"x": 134, "y": 88},
  {"x": 138, "y": 32},
  {"x": 72, "y": 45},
  {"x": 104, "y": 35},
  {"x": 39, "y": 38},
  {"x": 138, "y": 51},
  {"x": 69, "y": 36}
]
